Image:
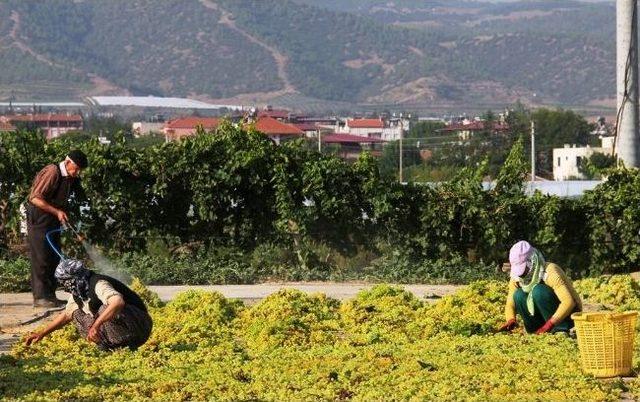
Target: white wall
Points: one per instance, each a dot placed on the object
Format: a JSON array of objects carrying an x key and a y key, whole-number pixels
[
  {"x": 144, "y": 128},
  {"x": 566, "y": 161}
]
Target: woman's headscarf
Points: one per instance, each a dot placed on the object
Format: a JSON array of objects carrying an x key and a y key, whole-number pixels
[{"x": 74, "y": 277}]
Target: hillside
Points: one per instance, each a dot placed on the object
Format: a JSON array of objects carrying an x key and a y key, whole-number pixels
[{"x": 303, "y": 52}]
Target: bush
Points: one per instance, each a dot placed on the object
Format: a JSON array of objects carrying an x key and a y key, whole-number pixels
[
  {"x": 401, "y": 267},
  {"x": 308, "y": 216},
  {"x": 15, "y": 275},
  {"x": 217, "y": 266}
]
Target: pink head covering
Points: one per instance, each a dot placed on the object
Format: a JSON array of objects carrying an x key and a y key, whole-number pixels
[{"x": 518, "y": 257}]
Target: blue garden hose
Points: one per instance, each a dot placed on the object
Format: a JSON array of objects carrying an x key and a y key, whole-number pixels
[{"x": 60, "y": 229}]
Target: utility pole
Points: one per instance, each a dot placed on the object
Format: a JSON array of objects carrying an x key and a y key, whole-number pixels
[
  {"x": 627, "y": 145},
  {"x": 319, "y": 141},
  {"x": 401, "y": 149},
  {"x": 533, "y": 151},
  {"x": 400, "y": 157}
]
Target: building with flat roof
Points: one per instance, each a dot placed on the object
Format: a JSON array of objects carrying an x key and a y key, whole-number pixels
[
  {"x": 53, "y": 125},
  {"x": 567, "y": 160},
  {"x": 179, "y": 128},
  {"x": 387, "y": 130}
]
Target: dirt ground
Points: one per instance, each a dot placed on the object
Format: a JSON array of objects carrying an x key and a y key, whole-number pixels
[{"x": 18, "y": 316}]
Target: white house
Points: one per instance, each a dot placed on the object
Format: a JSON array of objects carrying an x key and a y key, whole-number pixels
[
  {"x": 144, "y": 128},
  {"x": 390, "y": 130},
  {"x": 566, "y": 161}
]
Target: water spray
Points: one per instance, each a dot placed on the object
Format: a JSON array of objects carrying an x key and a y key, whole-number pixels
[{"x": 101, "y": 263}]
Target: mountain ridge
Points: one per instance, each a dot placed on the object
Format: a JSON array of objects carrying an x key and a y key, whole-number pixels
[{"x": 287, "y": 52}]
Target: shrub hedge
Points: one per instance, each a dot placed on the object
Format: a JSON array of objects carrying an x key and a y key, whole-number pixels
[{"x": 288, "y": 212}]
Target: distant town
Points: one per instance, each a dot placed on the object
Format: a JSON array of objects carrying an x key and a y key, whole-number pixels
[{"x": 348, "y": 136}]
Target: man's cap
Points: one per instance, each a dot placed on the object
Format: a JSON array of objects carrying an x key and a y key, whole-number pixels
[{"x": 79, "y": 158}]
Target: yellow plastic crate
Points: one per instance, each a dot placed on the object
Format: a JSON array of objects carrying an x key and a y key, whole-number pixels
[{"x": 605, "y": 340}]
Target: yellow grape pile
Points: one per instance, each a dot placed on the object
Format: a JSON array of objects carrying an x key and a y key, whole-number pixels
[
  {"x": 289, "y": 318},
  {"x": 385, "y": 344},
  {"x": 476, "y": 309},
  {"x": 150, "y": 298},
  {"x": 380, "y": 314},
  {"x": 193, "y": 318},
  {"x": 614, "y": 292}
]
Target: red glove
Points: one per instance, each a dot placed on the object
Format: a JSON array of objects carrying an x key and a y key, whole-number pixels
[
  {"x": 508, "y": 326},
  {"x": 546, "y": 327}
]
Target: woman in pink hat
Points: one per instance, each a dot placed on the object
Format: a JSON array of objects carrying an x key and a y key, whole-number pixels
[{"x": 540, "y": 292}]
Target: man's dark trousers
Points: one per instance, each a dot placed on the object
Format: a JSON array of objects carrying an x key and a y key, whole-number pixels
[{"x": 43, "y": 259}]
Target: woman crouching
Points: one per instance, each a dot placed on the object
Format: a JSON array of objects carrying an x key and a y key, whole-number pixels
[
  {"x": 104, "y": 310},
  {"x": 540, "y": 292}
]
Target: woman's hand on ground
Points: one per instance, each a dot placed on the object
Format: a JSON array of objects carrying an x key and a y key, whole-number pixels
[
  {"x": 508, "y": 326},
  {"x": 34, "y": 337},
  {"x": 93, "y": 335},
  {"x": 546, "y": 327}
]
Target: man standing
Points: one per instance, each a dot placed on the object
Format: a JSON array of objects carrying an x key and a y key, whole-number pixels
[{"x": 46, "y": 210}]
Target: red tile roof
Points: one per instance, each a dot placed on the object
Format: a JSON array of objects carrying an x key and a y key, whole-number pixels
[
  {"x": 192, "y": 122},
  {"x": 4, "y": 126},
  {"x": 475, "y": 126},
  {"x": 306, "y": 126},
  {"x": 365, "y": 123},
  {"x": 271, "y": 126},
  {"x": 275, "y": 113},
  {"x": 348, "y": 138},
  {"x": 44, "y": 117}
]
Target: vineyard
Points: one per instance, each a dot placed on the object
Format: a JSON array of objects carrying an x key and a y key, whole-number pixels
[
  {"x": 385, "y": 344},
  {"x": 235, "y": 201}
]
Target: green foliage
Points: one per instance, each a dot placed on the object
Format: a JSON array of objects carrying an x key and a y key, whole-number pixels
[
  {"x": 269, "y": 262},
  {"x": 218, "y": 266},
  {"x": 613, "y": 217},
  {"x": 402, "y": 267},
  {"x": 511, "y": 177},
  {"x": 389, "y": 161},
  {"x": 15, "y": 275},
  {"x": 425, "y": 129},
  {"x": 596, "y": 165},
  {"x": 253, "y": 210}
]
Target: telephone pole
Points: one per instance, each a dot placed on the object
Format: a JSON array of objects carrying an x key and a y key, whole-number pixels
[
  {"x": 533, "y": 151},
  {"x": 400, "y": 142},
  {"x": 627, "y": 142}
]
